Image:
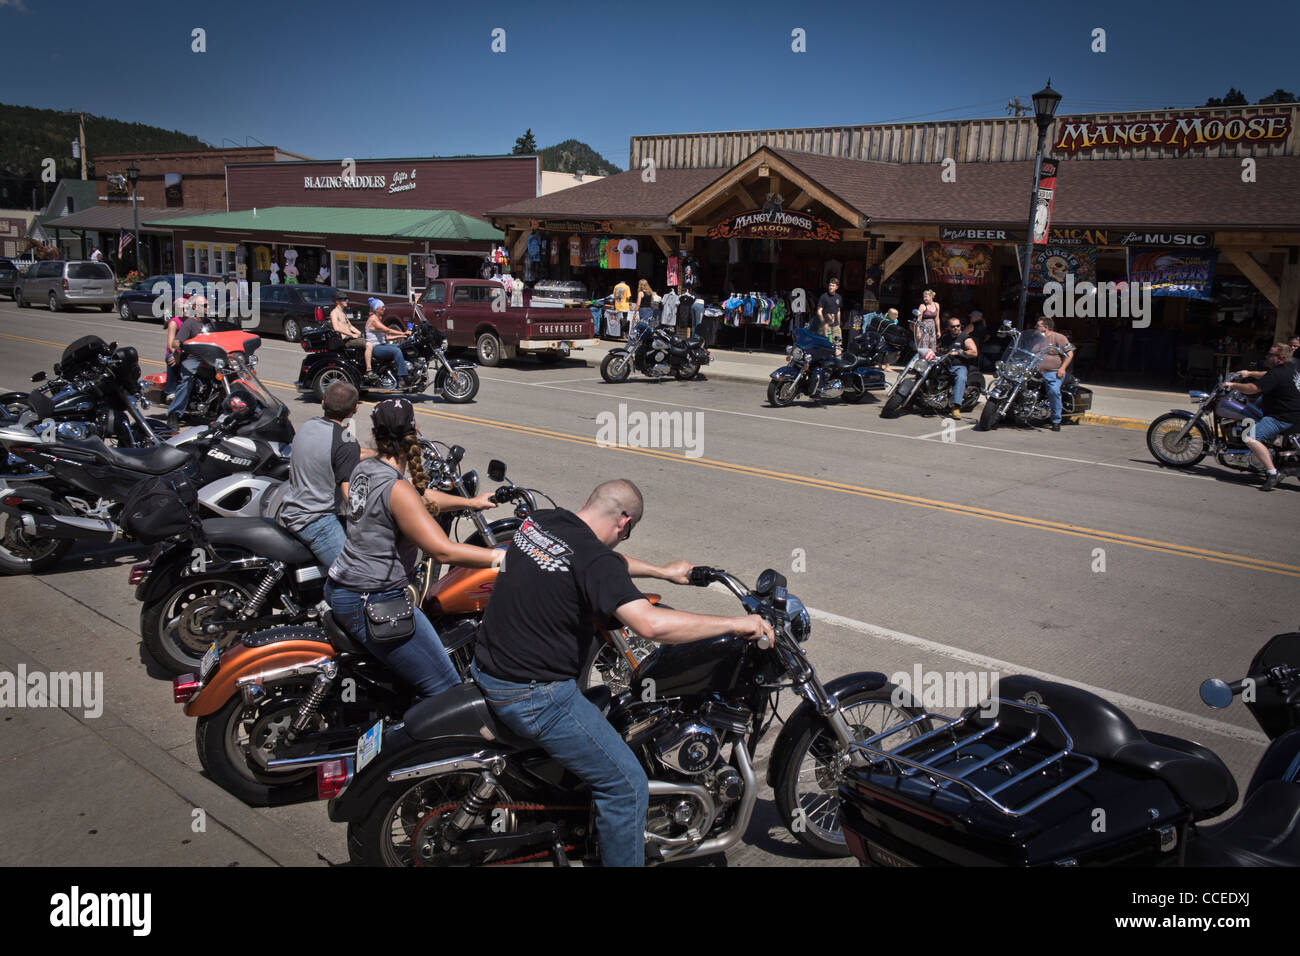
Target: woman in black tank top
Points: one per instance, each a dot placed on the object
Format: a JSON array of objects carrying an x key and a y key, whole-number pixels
[{"x": 387, "y": 526}]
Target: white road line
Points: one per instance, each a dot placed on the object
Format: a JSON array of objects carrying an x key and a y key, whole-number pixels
[
  {"x": 1150, "y": 471},
  {"x": 1124, "y": 701},
  {"x": 953, "y": 430}
]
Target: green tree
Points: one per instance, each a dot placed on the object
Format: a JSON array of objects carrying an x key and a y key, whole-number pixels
[
  {"x": 1234, "y": 97},
  {"x": 525, "y": 145},
  {"x": 1278, "y": 96}
]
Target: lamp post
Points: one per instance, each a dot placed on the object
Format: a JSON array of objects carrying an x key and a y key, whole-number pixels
[
  {"x": 1045, "y": 102},
  {"x": 133, "y": 175}
]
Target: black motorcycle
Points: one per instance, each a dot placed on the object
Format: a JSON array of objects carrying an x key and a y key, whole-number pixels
[
  {"x": 927, "y": 383},
  {"x": 655, "y": 352},
  {"x": 1054, "y": 775},
  {"x": 1018, "y": 391},
  {"x": 425, "y": 351},
  {"x": 814, "y": 370},
  {"x": 882, "y": 340},
  {"x": 451, "y": 785},
  {"x": 97, "y": 385},
  {"x": 249, "y": 573}
]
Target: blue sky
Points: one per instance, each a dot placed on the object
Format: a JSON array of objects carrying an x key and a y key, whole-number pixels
[{"x": 380, "y": 79}]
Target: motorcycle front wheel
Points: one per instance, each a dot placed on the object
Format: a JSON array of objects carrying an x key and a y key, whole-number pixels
[
  {"x": 616, "y": 368},
  {"x": 780, "y": 394},
  {"x": 226, "y": 740},
  {"x": 400, "y": 828},
  {"x": 1163, "y": 443},
  {"x": 461, "y": 386},
  {"x": 893, "y": 405},
  {"x": 807, "y": 793},
  {"x": 990, "y": 415}
]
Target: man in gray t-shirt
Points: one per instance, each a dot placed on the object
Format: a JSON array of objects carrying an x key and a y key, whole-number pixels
[{"x": 319, "y": 467}]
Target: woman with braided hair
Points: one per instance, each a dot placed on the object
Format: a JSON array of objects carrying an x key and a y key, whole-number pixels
[{"x": 388, "y": 521}]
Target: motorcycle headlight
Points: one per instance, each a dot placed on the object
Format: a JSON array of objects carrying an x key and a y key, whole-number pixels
[
  {"x": 252, "y": 360},
  {"x": 796, "y": 353},
  {"x": 219, "y": 364}
]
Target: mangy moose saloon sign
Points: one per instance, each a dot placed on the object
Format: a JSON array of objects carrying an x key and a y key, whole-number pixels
[
  {"x": 1191, "y": 131},
  {"x": 774, "y": 224}
]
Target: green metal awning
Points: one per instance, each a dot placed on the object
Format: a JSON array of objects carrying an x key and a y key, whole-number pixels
[{"x": 442, "y": 224}]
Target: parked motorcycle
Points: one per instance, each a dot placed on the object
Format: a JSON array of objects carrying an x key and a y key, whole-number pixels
[
  {"x": 451, "y": 785},
  {"x": 815, "y": 370},
  {"x": 1180, "y": 439},
  {"x": 425, "y": 351},
  {"x": 1028, "y": 785},
  {"x": 881, "y": 341},
  {"x": 927, "y": 383},
  {"x": 212, "y": 381},
  {"x": 248, "y": 573},
  {"x": 1018, "y": 391},
  {"x": 96, "y": 384},
  {"x": 655, "y": 352}
]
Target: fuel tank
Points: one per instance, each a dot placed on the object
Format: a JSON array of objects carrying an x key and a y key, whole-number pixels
[
  {"x": 460, "y": 591},
  {"x": 699, "y": 667}
]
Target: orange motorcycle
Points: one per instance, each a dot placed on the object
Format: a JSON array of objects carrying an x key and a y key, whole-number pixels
[{"x": 283, "y": 700}]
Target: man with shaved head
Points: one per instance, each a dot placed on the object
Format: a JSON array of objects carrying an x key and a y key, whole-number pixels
[{"x": 559, "y": 577}]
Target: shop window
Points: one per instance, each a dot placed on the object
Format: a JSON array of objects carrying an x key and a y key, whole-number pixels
[
  {"x": 189, "y": 257},
  {"x": 436, "y": 294},
  {"x": 201, "y": 266},
  {"x": 379, "y": 279},
  {"x": 360, "y": 274},
  {"x": 218, "y": 261},
  {"x": 399, "y": 276},
  {"x": 342, "y": 271}
]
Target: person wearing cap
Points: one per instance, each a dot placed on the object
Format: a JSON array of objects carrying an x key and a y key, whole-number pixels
[
  {"x": 352, "y": 338},
  {"x": 196, "y": 324},
  {"x": 378, "y": 334},
  {"x": 389, "y": 522}
]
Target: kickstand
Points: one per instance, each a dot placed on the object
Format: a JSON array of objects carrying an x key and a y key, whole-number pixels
[{"x": 558, "y": 854}]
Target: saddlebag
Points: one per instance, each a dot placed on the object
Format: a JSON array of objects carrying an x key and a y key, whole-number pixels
[
  {"x": 1079, "y": 401},
  {"x": 160, "y": 507}
]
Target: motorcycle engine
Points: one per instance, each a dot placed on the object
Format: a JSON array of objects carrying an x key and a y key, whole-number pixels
[
  {"x": 832, "y": 389},
  {"x": 1237, "y": 458},
  {"x": 688, "y": 748}
]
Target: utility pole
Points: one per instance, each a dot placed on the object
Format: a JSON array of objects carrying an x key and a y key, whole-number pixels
[{"x": 81, "y": 134}]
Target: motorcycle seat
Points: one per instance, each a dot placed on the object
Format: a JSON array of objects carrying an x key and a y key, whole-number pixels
[
  {"x": 461, "y": 712},
  {"x": 1100, "y": 729},
  {"x": 260, "y": 536},
  {"x": 1264, "y": 832},
  {"x": 694, "y": 341},
  {"x": 156, "y": 460},
  {"x": 846, "y": 361},
  {"x": 338, "y": 637}
]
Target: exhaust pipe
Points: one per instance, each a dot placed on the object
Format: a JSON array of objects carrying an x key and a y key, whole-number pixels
[{"x": 64, "y": 526}]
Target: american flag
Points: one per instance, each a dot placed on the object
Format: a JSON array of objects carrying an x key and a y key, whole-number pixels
[{"x": 124, "y": 239}]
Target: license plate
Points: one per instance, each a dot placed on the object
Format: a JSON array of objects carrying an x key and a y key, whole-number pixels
[
  {"x": 209, "y": 663},
  {"x": 883, "y": 857},
  {"x": 369, "y": 744}
]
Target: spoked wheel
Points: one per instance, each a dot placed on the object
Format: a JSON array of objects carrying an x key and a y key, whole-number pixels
[
  {"x": 174, "y": 628},
  {"x": 235, "y": 743},
  {"x": 403, "y": 828},
  {"x": 24, "y": 554},
  {"x": 807, "y": 794},
  {"x": 688, "y": 371},
  {"x": 605, "y": 664},
  {"x": 1168, "y": 449},
  {"x": 327, "y": 377},
  {"x": 461, "y": 386},
  {"x": 616, "y": 367},
  {"x": 780, "y": 394}
]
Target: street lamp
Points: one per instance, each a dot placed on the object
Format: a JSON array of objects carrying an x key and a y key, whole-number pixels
[
  {"x": 133, "y": 175},
  {"x": 1045, "y": 102}
]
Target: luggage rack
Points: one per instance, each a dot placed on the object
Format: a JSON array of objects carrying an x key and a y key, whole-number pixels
[{"x": 951, "y": 729}]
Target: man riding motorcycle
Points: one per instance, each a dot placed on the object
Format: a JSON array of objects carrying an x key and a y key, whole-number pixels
[
  {"x": 559, "y": 571},
  {"x": 1279, "y": 388}
]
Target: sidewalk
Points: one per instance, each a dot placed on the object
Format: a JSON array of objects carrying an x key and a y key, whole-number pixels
[{"x": 1118, "y": 407}]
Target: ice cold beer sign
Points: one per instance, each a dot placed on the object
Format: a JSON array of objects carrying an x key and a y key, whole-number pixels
[{"x": 1174, "y": 132}]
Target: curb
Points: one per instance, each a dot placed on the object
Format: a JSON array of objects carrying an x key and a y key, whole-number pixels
[{"x": 1113, "y": 421}]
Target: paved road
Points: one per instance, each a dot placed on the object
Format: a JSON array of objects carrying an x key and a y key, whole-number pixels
[{"x": 1071, "y": 555}]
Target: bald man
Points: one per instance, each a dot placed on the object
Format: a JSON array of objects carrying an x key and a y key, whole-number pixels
[{"x": 560, "y": 574}]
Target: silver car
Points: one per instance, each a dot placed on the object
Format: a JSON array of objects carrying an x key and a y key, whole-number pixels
[{"x": 64, "y": 283}]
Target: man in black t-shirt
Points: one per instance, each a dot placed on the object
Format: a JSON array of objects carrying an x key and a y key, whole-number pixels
[
  {"x": 560, "y": 576},
  {"x": 828, "y": 313},
  {"x": 955, "y": 339},
  {"x": 1279, "y": 391}
]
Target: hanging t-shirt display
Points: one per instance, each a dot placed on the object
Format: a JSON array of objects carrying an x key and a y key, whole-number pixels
[
  {"x": 627, "y": 250},
  {"x": 612, "y": 258},
  {"x": 603, "y": 253},
  {"x": 672, "y": 270},
  {"x": 555, "y": 251},
  {"x": 534, "y": 246},
  {"x": 591, "y": 251},
  {"x": 575, "y": 251}
]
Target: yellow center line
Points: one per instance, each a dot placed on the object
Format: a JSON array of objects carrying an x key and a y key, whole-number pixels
[{"x": 891, "y": 497}]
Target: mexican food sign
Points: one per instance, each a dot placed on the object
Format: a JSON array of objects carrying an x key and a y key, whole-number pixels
[{"x": 1191, "y": 131}]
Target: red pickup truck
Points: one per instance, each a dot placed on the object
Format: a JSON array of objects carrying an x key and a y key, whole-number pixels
[{"x": 477, "y": 314}]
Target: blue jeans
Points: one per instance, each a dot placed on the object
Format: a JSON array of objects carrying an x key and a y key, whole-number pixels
[
  {"x": 577, "y": 735},
  {"x": 182, "y": 397},
  {"x": 173, "y": 379},
  {"x": 597, "y": 313},
  {"x": 1269, "y": 427},
  {"x": 646, "y": 315},
  {"x": 959, "y": 373},
  {"x": 391, "y": 352},
  {"x": 325, "y": 537},
  {"x": 697, "y": 314},
  {"x": 1053, "y": 382},
  {"x": 421, "y": 660}
]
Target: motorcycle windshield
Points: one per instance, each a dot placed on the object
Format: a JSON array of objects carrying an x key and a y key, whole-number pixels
[
  {"x": 240, "y": 375},
  {"x": 639, "y": 329},
  {"x": 1026, "y": 352},
  {"x": 807, "y": 339}
]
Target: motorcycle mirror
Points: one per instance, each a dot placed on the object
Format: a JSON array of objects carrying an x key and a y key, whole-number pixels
[
  {"x": 497, "y": 470},
  {"x": 457, "y": 453},
  {"x": 1216, "y": 693},
  {"x": 39, "y": 376}
]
